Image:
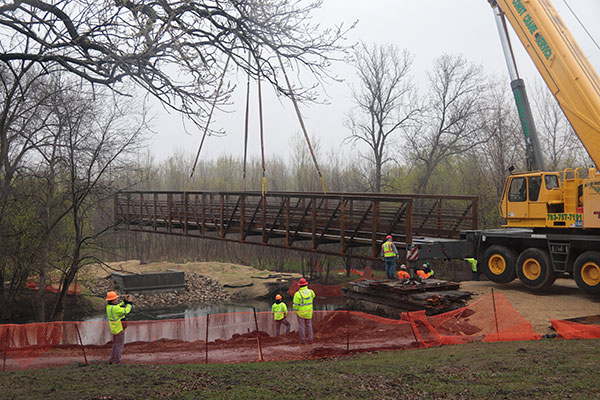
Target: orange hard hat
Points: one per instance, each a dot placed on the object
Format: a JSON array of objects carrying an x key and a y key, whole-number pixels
[
  {"x": 278, "y": 297},
  {"x": 111, "y": 296},
  {"x": 302, "y": 282},
  {"x": 388, "y": 237}
]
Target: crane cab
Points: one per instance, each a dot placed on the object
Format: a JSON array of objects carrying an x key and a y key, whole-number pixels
[
  {"x": 548, "y": 199},
  {"x": 529, "y": 197}
]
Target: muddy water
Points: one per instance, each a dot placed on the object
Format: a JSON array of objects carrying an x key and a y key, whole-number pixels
[{"x": 184, "y": 312}]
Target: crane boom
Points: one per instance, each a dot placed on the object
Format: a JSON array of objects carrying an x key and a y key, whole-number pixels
[{"x": 561, "y": 63}]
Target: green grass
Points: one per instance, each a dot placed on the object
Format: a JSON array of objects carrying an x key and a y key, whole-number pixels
[{"x": 546, "y": 369}]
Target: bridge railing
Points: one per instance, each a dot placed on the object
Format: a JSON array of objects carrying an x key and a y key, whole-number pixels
[{"x": 344, "y": 224}]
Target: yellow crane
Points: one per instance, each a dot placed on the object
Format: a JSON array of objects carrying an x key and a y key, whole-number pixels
[
  {"x": 562, "y": 206},
  {"x": 552, "y": 217}
]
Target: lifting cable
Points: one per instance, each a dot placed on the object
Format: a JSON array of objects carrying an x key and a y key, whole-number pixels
[
  {"x": 262, "y": 142},
  {"x": 212, "y": 109},
  {"x": 581, "y": 23},
  {"x": 246, "y": 122},
  {"x": 301, "y": 122}
]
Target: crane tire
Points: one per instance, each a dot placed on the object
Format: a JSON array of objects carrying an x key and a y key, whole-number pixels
[
  {"x": 498, "y": 264},
  {"x": 586, "y": 271},
  {"x": 534, "y": 269}
]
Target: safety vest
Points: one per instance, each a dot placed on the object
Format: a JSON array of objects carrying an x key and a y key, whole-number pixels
[
  {"x": 303, "y": 302},
  {"x": 279, "y": 311},
  {"x": 387, "y": 249},
  {"x": 115, "y": 313},
  {"x": 473, "y": 263},
  {"x": 403, "y": 275},
  {"x": 422, "y": 274}
]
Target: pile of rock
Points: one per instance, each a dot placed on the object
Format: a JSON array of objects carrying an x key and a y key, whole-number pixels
[{"x": 200, "y": 289}]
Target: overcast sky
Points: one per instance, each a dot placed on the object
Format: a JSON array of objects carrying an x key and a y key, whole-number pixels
[{"x": 427, "y": 28}]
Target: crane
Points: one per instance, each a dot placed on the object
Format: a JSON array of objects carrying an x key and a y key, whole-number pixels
[{"x": 552, "y": 217}]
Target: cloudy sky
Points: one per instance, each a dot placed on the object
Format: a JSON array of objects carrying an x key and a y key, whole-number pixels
[{"x": 427, "y": 28}]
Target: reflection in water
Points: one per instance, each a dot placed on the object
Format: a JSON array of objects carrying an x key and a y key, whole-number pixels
[{"x": 185, "y": 312}]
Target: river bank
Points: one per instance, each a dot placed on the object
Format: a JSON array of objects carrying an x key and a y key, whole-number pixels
[{"x": 206, "y": 283}]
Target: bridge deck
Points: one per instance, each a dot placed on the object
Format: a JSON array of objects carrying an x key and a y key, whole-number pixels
[{"x": 343, "y": 224}]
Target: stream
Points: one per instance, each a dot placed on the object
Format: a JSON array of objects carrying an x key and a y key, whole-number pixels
[{"x": 183, "y": 312}]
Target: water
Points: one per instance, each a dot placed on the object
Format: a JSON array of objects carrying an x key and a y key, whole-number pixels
[{"x": 184, "y": 312}]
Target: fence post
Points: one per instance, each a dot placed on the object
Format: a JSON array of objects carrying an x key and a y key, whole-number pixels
[
  {"x": 206, "y": 339},
  {"x": 412, "y": 328},
  {"x": 348, "y": 331},
  {"x": 5, "y": 348},
  {"x": 81, "y": 343},
  {"x": 495, "y": 314},
  {"x": 260, "y": 355}
]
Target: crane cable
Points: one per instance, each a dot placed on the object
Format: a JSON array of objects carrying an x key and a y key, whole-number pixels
[
  {"x": 262, "y": 142},
  {"x": 581, "y": 23},
  {"x": 212, "y": 109},
  {"x": 301, "y": 122},
  {"x": 246, "y": 121}
]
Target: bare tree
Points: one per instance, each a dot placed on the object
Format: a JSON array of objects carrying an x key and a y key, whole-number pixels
[
  {"x": 561, "y": 145},
  {"x": 108, "y": 42},
  {"x": 385, "y": 103},
  {"x": 452, "y": 121},
  {"x": 505, "y": 147},
  {"x": 24, "y": 115},
  {"x": 98, "y": 135}
]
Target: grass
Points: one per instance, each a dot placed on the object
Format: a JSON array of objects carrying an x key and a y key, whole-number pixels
[{"x": 546, "y": 369}]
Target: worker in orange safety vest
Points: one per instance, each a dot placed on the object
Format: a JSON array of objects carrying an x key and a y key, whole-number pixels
[
  {"x": 403, "y": 273},
  {"x": 425, "y": 271}
]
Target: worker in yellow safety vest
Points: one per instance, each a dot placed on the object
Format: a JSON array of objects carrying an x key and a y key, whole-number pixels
[
  {"x": 116, "y": 311},
  {"x": 473, "y": 263},
  {"x": 280, "y": 311},
  {"x": 303, "y": 305},
  {"x": 390, "y": 254}
]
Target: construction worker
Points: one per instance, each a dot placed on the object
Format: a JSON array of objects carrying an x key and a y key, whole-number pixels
[
  {"x": 279, "y": 315},
  {"x": 425, "y": 271},
  {"x": 116, "y": 311},
  {"x": 473, "y": 263},
  {"x": 303, "y": 305},
  {"x": 403, "y": 273},
  {"x": 390, "y": 253}
]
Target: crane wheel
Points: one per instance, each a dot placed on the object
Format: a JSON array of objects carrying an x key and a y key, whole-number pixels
[
  {"x": 498, "y": 264},
  {"x": 534, "y": 269},
  {"x": 586, "y": 271}
]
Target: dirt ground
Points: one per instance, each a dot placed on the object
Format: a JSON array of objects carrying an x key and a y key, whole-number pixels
[
  {"x": 563, "y": 300},
  {"x": 247, "y": 282}
]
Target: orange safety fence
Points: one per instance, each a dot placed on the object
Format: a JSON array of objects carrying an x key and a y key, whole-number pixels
[
  {"x": 575, "y": 330},
  {"x": 249, "y": 336},
  {"x": 490, "y": 319},
  {"x": 319, "y": 289},
  {"x": 331, "y": 290},
  {"x": 367, "y": 273}
]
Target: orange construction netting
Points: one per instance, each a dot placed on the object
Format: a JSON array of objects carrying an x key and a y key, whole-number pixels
[
  {"x": 319, "y": 289},
  {"x": 574, "y": 330},
  {"x": 331, "y": 290},
  {"x": 249, "y": 336}
]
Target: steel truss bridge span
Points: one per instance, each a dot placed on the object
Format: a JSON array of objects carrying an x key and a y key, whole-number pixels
[{"x": 340, "y": 224}]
